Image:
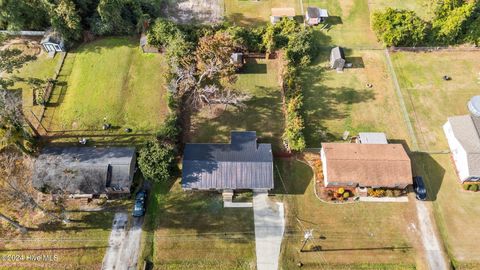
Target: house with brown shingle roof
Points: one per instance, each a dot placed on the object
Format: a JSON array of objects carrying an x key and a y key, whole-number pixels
[{"x": 366, "y": 165}]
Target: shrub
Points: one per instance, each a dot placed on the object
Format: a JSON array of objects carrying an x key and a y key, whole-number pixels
[
  {"x": 473, "y": 187},
  {"x": 376, "y": 192},
  {"x": 170, "y": 129},
  {"x": 341, "y": 190},
  {"x": 293, "y": 135},
  {"x": 156, "y": 160},
  {"x": 397, "y": 193},
  {"x": 346, "y": 194},
  {"x": 389, "y": 193},
  {"x": 466, "y": 186}
]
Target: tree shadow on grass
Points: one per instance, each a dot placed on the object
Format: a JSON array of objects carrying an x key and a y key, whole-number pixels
[
  {"x": 241, "y": 20},
  {"x": 326, "y": 103},
  {"x": 291, "y": 176}
]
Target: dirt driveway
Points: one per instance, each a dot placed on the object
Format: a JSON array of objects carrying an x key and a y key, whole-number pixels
[
  {"x": 124, "y": 243},
  {"x": 202, "y": 11}
]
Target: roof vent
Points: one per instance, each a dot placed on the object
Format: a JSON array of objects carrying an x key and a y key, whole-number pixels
[{"x": 474, "y": 106}]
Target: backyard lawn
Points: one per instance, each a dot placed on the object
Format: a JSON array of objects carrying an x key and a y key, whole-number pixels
[
  {"x": 430, "y": 99},
  {"x": 421, "y": 7},
  {"x": 109, "y": 79},
  {"x": 348, "y": 24},
  {"x": 338, "y": 102},
  {"x": 248, "y": 13},
  {"x": 192, "y": 230},
  {"x": 78, "y": 245},
  {"x": 259, "y": 79},
  {"x": 350, "y": 236}
]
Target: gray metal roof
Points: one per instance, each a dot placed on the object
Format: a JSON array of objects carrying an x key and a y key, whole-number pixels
[
  {"x": 337, "y": 53},
  {"x": 84, "y": 170},
  {"x": 466, "y": 129},
  {"x": 314, "y": 12},
  {"x": 242, "y": 164},
  {"x": 372, "y": 138}
]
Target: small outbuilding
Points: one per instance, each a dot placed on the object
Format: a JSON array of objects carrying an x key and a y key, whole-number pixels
[
  {"x": 84, "y": 171},
  {"x": 372, "y": 138},
  {"x": 315, "y": 15},
  {"x": 53, "y": 42},
  {"x": 279, "y": 13},
  {"x": 337, "y": 59}
]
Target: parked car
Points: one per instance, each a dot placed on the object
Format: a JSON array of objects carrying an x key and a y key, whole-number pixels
[
  {"x": 139, "y": 207},
  {"x": 419, "y": 187}
]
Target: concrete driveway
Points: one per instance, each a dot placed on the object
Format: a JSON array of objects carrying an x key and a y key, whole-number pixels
[
  {"x": 124, "y": 243},
  {"x": 434, "y": 253},
  {"x": 269, "y": 228}
]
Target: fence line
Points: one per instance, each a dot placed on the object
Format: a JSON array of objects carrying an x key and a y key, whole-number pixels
[
  {"x": 433, "y": 49},
  {"x": 48, "y": 93},
  {"x": 23, "y": 33}
]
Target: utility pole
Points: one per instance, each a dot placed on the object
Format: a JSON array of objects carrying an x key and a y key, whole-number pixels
[{"x": 308, "y": 235}]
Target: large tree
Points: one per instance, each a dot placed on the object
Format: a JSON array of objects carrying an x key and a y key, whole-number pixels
[
  {"x": 64, "y": 19},
  {"x": 208, "y": 77},
  {"x": 396, "y": 27},
  {"x": 23, "y": 15}
]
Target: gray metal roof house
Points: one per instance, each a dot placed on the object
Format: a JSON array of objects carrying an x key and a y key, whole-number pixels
[
  {"x": 337, "y": 59},
  {"x": 241, "y": 164},
  {"x": 84, "y": 170}
]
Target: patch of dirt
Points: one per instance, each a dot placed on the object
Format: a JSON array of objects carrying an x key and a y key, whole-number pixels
[
  {"x": 202, "y": 11},
  {"x": 26, "y": 45}
]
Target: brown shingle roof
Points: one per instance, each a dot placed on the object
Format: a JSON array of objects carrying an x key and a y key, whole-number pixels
[{"x": 376, "y": 165}]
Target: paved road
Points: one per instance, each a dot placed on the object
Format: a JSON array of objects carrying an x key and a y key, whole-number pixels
[
  {"x": 433, "y": 250},
  {"x": 124, "y": 244},
  {"x": 269, "y": 228}
]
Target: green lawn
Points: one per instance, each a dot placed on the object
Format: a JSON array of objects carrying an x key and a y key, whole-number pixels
[
  {"x": 192, "y": 230},
  {"x": 421, "y": 7},
  {"x": 248, "y": 13},
  {"x": 259, "y": 79},
  {"x": 348, "y": 25},
  {"x": 337, "y": 102},
  {"x": 109, "y": 78},
  {"x": 351, "y": 236},
  {"x": 430, "y": 99},
  {"x": 41, "y": 68}
]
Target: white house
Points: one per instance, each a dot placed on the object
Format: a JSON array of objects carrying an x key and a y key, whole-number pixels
[{"x": 463, "y": 135}]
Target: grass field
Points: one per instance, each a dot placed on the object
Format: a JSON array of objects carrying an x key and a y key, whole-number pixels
[
  {"x": 109, "y": 78},
  {"x": 430, "y": 99},
  {"x": 248, "y": 13},
  {"x": 259, "y": 79},
  {"x": 337, "y": 102},
  {"x": 78, "y": 245},
  {"x": 351, "y": 236},
  {"x": 192, "y": 230}
]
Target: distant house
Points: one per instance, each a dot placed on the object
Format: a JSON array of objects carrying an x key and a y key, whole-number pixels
[
  {"x": 365, "y": 165},
  {"x": 337, "y": 59},
  {"x": 315, "y": 15},
  {"x": 53, "y": 42},
  {"x": 242, "y": 164},
  {"x": 463, "y": 135},
  {"x": 85, "y": 171},
  {"x": 372, "y": 138},
  {"x": 147, "y": 48},
  {"x": 279, "y": 13}
]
